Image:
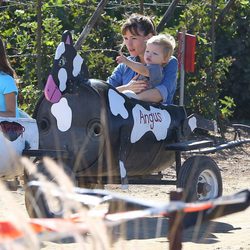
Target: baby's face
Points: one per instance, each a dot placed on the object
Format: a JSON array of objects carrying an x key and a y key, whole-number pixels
[{"x": 154, "y": 54}]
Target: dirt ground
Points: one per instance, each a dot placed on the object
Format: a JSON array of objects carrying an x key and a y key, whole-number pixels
[{"x": 228, "y": 232}]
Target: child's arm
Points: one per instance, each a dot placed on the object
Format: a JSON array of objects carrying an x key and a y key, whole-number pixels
[{"x": 135, "y": 66}]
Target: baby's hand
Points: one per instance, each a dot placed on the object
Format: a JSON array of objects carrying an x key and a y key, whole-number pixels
[{"x": 121, "y": 58}]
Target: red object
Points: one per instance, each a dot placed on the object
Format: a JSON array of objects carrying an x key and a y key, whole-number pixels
[
  {"x": 186, "y": 53},
  {"x": 8, "y": 230},
  {"x": 189, "y": 62}
]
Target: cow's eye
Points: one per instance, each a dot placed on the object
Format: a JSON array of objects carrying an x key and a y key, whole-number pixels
[{"x": 62, "y": 61}]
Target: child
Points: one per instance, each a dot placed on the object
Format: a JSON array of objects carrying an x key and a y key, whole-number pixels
[
  {"x": 159, "y": 49},
  {"x": 8, "y": 88}
]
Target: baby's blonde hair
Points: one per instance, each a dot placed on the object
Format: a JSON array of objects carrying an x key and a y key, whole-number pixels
[{"x": 166, "y": 41}]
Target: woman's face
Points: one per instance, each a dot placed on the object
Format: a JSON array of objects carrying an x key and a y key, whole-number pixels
[{"x": 136, "y": 44}]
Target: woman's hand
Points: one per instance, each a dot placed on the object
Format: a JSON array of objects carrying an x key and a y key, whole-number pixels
[{"x": 137, "y": 86}]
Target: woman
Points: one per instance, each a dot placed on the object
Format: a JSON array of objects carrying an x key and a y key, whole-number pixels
[
  {"x": 8, "y": 88},
  {"x": 136, "y": 30}
]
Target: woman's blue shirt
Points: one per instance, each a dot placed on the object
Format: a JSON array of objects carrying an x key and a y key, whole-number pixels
[{"x": 122, "y": 75}]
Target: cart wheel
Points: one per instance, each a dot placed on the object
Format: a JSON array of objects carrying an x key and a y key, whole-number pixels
[
  {"x": 38, "y": 203},
  {"x": 200, "y": 179}
]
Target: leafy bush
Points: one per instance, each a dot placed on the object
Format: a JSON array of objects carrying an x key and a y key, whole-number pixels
[{"x": 221, "y": 78}]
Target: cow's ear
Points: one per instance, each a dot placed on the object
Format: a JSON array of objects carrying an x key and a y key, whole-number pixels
[{"x": 67, "y": 38}]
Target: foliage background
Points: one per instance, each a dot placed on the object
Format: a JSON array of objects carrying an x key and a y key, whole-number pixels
[{"x": 219, "y": 87}]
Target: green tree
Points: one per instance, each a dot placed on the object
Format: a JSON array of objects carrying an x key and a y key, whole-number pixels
[
  {"x": 202, "y": 88},
  {"x": 57, "y": 16},
  {"x": 222, "y": 61},
  {"x": 233, "y": 39}
]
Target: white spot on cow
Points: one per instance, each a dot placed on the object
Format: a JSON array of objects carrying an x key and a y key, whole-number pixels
[
  {"x": 59, "y": 50},
  {"x": 155, "y": 120},
  {"x": 116, "y": 103},
  {"x": 63, "y": 77},
  {"x": 192, "y": 122},
  {"x": 63, "y": 114},
  {"x": 68, "y": 40},
  {"x": 123, "y": 171},
  {"x": 77, "y": 64},
  {"x": 123, "y": 174}
]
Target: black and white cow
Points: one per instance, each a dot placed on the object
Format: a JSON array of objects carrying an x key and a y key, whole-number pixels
[{"x": 105, "y": 132}]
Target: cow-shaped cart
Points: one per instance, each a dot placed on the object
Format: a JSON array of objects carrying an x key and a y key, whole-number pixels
[{"x": 101, "y": 136}]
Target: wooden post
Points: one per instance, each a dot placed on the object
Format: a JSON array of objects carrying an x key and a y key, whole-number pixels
[
  {"x": 142, "y": 7},
  {"x": 39, "y": 44},
  {"x": 175, "y": 223},
  {"x": 90, "y": 24},
  {"x": 167, "y": 15}
]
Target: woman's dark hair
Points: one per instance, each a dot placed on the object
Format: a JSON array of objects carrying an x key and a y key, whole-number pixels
[
  {"x": 4, "y": 63},
  {"x": 138, "y": 24}
]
